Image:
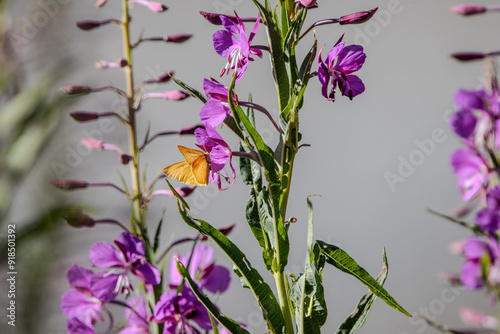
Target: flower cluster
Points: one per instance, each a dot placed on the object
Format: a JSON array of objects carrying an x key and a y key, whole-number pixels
[{"x": 177, "y": 308}]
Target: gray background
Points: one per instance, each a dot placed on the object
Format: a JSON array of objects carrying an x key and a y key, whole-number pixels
[{"x": 410, "y": 82}]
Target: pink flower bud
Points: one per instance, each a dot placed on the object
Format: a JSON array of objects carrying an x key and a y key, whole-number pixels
[
  {"x": 69, "y": 184},
  {"x": 157, "y": 7},
  {"x": 190, "y": 130},
  {"x": 90, "y": 24},
  {"x": 468, "y": 56},
  {"x": 457, "y": 247},
  {"x": 78, "y": 218},
  {"x": 176, "y": 95},
  {"x": 307, "y": 3},
  {"x": 473, "y": 317},
  {"x": 100, "y": 3},
  {"x": 177, "y": 38},
  {"x": 84, "y": 116},
  {"x": 213, "y": 18},
  {"x": 359, "y": 17},
  {"x": 165, "y": 77},
  {"x": 93, "y": 143},
  {"x": 76, "y": 90},
  {"x": 468, "y": 9}
]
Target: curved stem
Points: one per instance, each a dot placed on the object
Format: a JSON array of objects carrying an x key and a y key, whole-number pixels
[
  {"x": 112, "y": 221},
  {"x": 262, "y": 110},
  {"x": 318, "y": 23}
]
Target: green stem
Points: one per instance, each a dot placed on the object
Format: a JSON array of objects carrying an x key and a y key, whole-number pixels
[
  {"x": 138, "y": 215},
  {"x": 279, "y": 278}
]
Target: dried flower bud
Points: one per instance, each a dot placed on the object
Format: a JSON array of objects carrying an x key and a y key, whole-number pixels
[
  {"x": 76, "y": 90},
  {"x": 357, "y": 18},
  {"x": 69, "y": 184},
  {"x": 125, "y": 159},
  {"x": 84, "y": 116},
  {"x": 100, "y": 3},
  {"x": 190, "y": 130},
  {"x": 468, "y": 9},
  {"x": 122, "y": 62},
  {"x": 78, "y": 218},
  {"x": 177, "y": 38},
  {"x": 90, "y": 24},
  {"x": 468, "y": 56}
]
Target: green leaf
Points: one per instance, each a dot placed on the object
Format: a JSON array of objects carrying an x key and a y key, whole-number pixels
[
  {"x": 192, "y": 91},
  {"x": 341, "y": 260},
  {"x": 261, "y": 290},
  {"x": 277, "y": 60},
  {"x": 473, "y": 227},
  {"x": 231, "y": 325},
  {"x": 307, "y": 293},
  {"x": 158, "y": 231},
  {"x": 358, "y": 317}
]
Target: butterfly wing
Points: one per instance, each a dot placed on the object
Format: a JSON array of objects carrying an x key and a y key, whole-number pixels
[
  {"x": 200, "y": 170},
  {"x": 189, "y": 154},
  {"x": 181, "y": 171}
]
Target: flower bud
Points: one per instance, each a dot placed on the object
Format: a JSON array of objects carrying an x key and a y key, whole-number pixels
[
  {"x": 76, "y": 90},
  {"x": 125, "y": 159},
  {"x": 357, "y": 18},
  {"x": 90, "y": 24},
  {"x": 78, "y": 218},
  {"x": 307, "y": 3},
  {"x": 84, "y": 116},
  {"x": 93, "y": 143},
  {"x": 69, "y": 184},
  {"x": 468, "y": 56},
  {"x": 190, "y": 130},
  {"x": 157, "y": 7},
  {"x": 213, "y": 18},
  {"x": 176, "y": 95},
  {"x": 177, "y": 38},
  {"x": 100, "y": 3},
  {"x": 468, "y": 9}
]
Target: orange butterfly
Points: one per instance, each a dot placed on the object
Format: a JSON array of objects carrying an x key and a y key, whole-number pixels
[{"x": 193, "y": 170}]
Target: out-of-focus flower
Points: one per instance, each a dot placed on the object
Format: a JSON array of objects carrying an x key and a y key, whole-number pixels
[
  {"x": 174, "y": 95},
  {"x": 136, "y": 317},
  {"x": 473, "y": 317},
  {"x": 468, "y": 9},
  {"x": 152, "y": 5},
  {"x": 233, "y": 44},
  {"x": 471, "y": 171},
  {"x": 80, "y": 302},
  {"x": 180, "y": 312},
  {"x": 349, "y": 59},
  {"x": 75, "y": 326},
  {"x": 208, "y": 276}
]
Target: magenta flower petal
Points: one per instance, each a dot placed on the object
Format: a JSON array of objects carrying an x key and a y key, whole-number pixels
[
  {"x": 470, "y": 99},
  {"x": 215, "y": 90},
  {"x": 488, "y": 219},
  {"x": 136, "y": 317},
  {"x": 80, "y": 277},
  {"x": 76, "y": 304},
  {"x": 351, "y": 86},
  {"x": 105, "y": 288},
  {"x": 351, "y": 59},
  {"x": 214, "y": 112},
  {"x": 463, "y": 123},
  {"x": 471, "y": 275},
  {"x": 104, "y": 255},
  {"x": 147, "y": 273},
  {"x": 75, "y": 326},
  {"x": 215, "y": 279},
  {"x": 130, "y": 245},
  {"x": 470, "y": 170}
]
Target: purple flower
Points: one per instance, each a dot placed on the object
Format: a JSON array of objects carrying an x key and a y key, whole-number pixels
[
  {"x": 216, "y": 109},
  {"x": 180, "y": 312},
  {"x": 349, "y": 59},
  {"x": 130, "y": 257},
  {"x": 136, "y": 315},
  {"x": 75, "y": 326},
  {"x": 219, "y": 153},
  {"x": 493, "y": 198},
  {"x": 471, "y": 274},
  {"x": 234, "y": 44},
  {"x": 208, "y": 275},
  {"x": 463, "y": 123},
  {"x": 80, "y": 302},
  {"x": 470, "y": 170},
  {"x": 488, "y": 219},
  {"x": 470, "y": 99}
]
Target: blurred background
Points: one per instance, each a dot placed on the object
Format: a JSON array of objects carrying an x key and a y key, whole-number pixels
[{"x": 379, "y": 162}]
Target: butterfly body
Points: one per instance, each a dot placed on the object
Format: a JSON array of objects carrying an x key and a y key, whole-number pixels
[{"x": 193, "y": 170}]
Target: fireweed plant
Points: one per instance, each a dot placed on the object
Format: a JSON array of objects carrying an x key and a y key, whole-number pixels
[
  {"x": 131, "y": 272},
  {"x": 477, "y": 166}
]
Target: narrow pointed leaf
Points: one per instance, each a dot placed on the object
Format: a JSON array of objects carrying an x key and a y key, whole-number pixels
[
  {"x": 261, "y": 290},
  {"x": 473, "y": 227},
  {"x": 358, "y": 317},
  {"x": 232, "y": 326},
  {"x": 192, "y": 91},
  {"x": 341, "y": 260}
]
